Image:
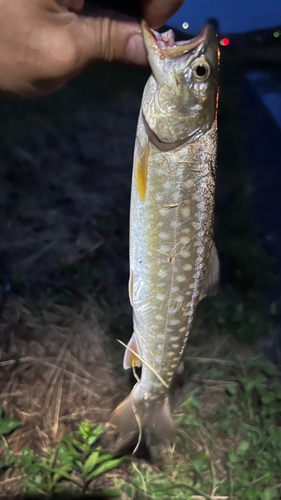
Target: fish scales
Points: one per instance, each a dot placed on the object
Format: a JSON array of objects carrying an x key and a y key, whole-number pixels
[{"x": 173, "y": 261}]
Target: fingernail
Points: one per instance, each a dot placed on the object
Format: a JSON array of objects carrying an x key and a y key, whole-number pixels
[{"x": 136, "y": 52}]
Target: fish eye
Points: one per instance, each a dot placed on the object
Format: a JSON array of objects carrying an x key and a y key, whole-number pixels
[{"x": 201, "y": 70}]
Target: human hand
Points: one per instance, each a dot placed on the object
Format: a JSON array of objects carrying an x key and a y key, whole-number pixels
[{"x": 44, "y": 43}]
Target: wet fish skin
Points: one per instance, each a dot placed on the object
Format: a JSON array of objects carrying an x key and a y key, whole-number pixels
[{"x": 173, "y": 260}]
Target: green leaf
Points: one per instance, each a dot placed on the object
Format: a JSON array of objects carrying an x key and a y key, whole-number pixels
[
  {"x": 129, "y": 489},
  {"x": 90, "y": 463},
  {"x": 64, "y": 455},
  {"x": 105, "y": 457},
  {"x": 7, "y": 426},
  {"x": 269, "y": 494},
  {"x": 268, "y": 398},
  {"x": 105, "y": 467},
  {"x": 232, "y": 390},
  {"x": 232, "y": 456},
  {"x": 95, "y": 434},
  {"x": 242, "y": 447}
]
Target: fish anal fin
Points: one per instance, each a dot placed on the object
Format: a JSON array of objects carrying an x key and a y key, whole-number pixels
[
  {"x": 130, "y": 359},
  {"x": 211, "y": 282},
  {"x": 180, "y": 368}
]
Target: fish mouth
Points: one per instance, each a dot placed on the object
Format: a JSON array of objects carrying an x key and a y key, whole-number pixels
[{"x": 164, "y": 43}]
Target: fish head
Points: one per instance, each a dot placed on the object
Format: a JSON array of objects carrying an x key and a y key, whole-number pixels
[{"x": 180, "y": 102}]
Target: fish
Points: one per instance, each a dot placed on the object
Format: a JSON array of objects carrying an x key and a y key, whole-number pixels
[{"x": 173, "y": 258}]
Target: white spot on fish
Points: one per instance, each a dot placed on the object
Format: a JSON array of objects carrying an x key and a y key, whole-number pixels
[
  {"x": 180, "y": 278},
  {"x": 164, "y": 236},
  {"x": 162, "y": 274},
  {"x": 175, "y": 195},
  {"x": 174, "y": 322},
  {"x": 185, "y": 254},
  {"x": 182, "y": 329},
  {"x": 184, "y": 240},
  {"x": 191, "y": 285},
  {"x": 164, "y": 249},
  {"x": 158, "y": 196},
  {"x": 170, "y": 373},
  {"x": 161, "y": 284},
  {"x": 174, "y": 289},
  {"x": 186, "y": 230},
  {"x": 160, "y": 296},
  {"x": 175, "y": 346},
  {"x": 187, "y": 267},
  {"x": 185, "y": 211},
  {"x": 159, "y": 317},
  {"x": 164, "y": 211},
  {"x": 188, "y": 293},
  {"x": 175, "y": 224},
  {"x": 173, "y": 338},
  {"x": 196, "y": 243}
]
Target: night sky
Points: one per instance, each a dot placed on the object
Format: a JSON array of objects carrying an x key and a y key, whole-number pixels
[{"x": 234, "y": 16}]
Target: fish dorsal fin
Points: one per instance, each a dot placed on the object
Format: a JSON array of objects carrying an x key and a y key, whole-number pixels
[
  {"x": 211, "y": 282},
  {"x": 130, "y": 359}
]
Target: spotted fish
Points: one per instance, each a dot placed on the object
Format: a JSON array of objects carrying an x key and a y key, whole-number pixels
[{"x": 173, "y": 259}]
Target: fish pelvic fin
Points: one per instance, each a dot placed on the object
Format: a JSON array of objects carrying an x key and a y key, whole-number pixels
[
  {"x": 135, "y": 414},
  {"x": 130, "y": 358}
]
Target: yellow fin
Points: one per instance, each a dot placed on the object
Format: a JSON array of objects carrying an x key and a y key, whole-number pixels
[
  {"x": 130, "y": 359},
  {"x": 141, "y": 172}
]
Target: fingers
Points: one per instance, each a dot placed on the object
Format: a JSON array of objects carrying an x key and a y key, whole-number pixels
[
  {"x": 71, "y": 5},
  {"x": 109, "y": 38},
  {"x": 157, "y": 12}
]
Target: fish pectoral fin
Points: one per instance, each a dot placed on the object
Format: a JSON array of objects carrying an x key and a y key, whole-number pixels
[
  {"x": 211, "y": 282},
  {"x": 130, "y": 359}
]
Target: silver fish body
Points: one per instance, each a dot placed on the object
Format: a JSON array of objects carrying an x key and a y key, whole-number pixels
[{"x": 173, "y": 260}]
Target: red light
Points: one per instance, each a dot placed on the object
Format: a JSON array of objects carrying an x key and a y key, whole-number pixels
[{"x": 224, "y": 42}]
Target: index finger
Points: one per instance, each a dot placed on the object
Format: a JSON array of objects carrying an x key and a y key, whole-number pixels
[{"x": 157, "y": 12}]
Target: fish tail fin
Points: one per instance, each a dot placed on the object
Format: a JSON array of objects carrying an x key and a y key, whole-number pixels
[{"x": 135, "y": 413}]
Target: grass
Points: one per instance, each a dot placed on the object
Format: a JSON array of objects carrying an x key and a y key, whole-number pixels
[
  {"x": 232, "y": 451},
  {"x": 76, "y": 460}
]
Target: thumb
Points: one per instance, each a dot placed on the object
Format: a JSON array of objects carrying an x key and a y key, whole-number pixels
[{"x": 108, "y": 38}]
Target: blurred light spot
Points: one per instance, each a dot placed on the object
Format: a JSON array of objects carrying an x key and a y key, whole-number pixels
[
  {"x": 185, "y": 25},
  {"x": 276, "y": 34},
  {"x": 224, "y": 42}
]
